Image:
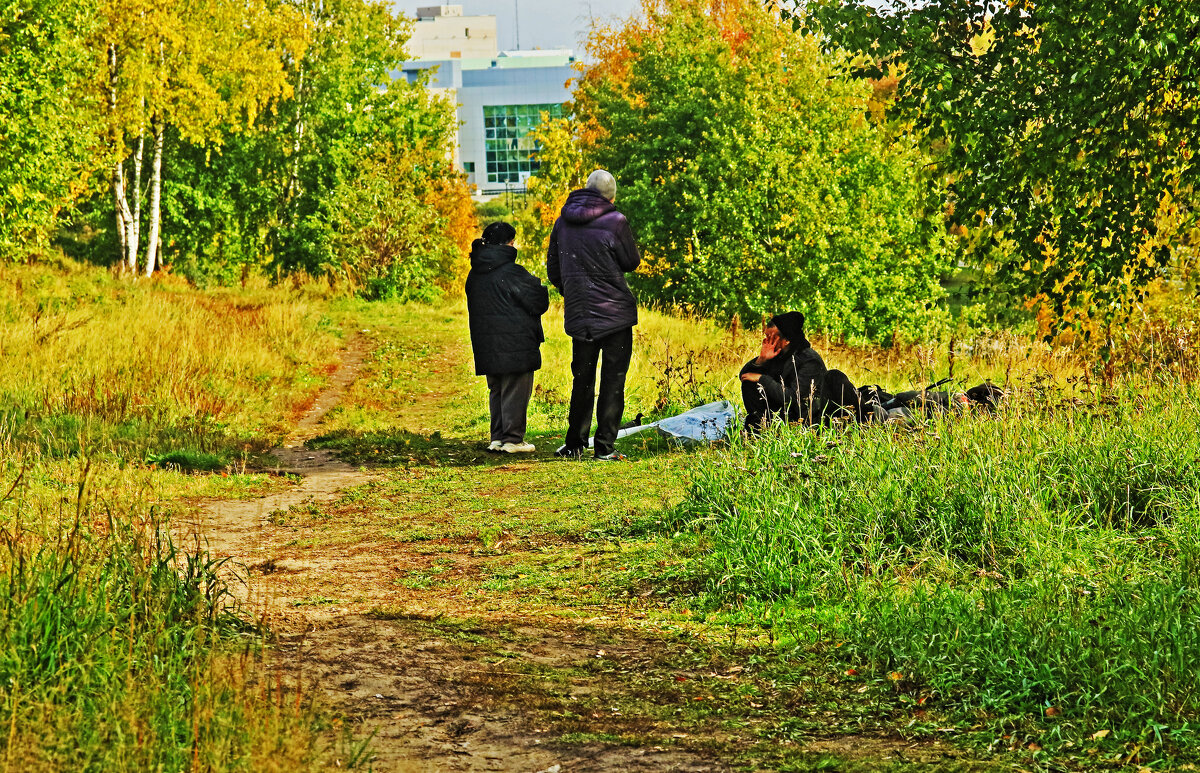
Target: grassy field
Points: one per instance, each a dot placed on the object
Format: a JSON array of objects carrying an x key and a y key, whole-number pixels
[
  {"x": 1010, "y": 589},
  {"x": 1031, "y": 576},
  {"x": 119, "y": 650},
  {"x": 1024, "y": 581}
]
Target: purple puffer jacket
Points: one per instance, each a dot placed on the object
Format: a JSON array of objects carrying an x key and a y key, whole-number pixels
[{"x": 591, "y": 248}]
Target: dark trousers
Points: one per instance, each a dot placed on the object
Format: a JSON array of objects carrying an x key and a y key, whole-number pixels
[
  {"x": 613, "y": 351},
  {"x": 508, "y": 402},
  {"x": 766, "y": 403}
]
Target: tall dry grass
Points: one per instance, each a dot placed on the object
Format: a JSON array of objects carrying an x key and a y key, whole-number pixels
[
  {"x": 118, "y": 649},
  {"x": 136, "y": 365}
]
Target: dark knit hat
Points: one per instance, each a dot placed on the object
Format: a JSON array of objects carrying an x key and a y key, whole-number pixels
[
  {"x": 791, "y": 327},
  {"x": 499, "y": 233}
]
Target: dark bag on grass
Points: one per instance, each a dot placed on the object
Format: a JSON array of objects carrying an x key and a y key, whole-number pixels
[
  {"x": 840, "y": 399},
  {"x": 986, "y": 394}
]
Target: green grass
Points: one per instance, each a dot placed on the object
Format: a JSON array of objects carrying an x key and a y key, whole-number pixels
[
  {"x": 1023, "y": 584},
  {"x": 112, "y": 654},
  {"x": 1033, "y": 575},
  {"x": 190, "y": 461},
  {"x": 121, "y": 402},
  {"x": 95, "y": 364}
]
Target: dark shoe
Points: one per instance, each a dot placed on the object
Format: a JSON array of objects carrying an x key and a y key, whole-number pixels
[
  {"x": 567, "y": 452},
  {"x": 615, "y": 456}
]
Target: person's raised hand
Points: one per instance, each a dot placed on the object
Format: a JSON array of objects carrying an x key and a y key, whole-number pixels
[{"x": 772, "y": 345}]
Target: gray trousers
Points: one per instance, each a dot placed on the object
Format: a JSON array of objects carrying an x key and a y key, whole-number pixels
[{"x": 508, "y": 401}]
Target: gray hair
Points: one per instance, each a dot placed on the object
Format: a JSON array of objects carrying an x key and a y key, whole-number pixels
[{"x": 603, "y": 183}]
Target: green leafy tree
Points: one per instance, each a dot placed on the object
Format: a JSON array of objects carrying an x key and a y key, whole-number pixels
[
  {"x": 1067, "y": 130},
  {"x": 349, "y": 175},
  {"x": 560, "y": 171},
  {"x": 348, "y": 120},
  {"x": 752, "y": 174},
  {"x": 204, "y": 69},
  {"x": 49, "y": 121}
]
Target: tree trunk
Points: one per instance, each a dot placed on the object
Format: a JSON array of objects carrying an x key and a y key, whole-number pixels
[
  {"x": 293, "y": 184},
  {"x": 120, "y": 204},
  {"x": 121, "y": 207},
  {"x": 135, "y": 224},
  {"x": 155, "y": 198}
]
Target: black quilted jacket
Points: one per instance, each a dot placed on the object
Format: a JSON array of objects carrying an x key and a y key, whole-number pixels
[
  {"x": 505, "y": 304},
  {"x": 591, "y": 249}
]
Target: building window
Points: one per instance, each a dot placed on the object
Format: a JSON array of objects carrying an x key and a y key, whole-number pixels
[
  {"x": 508, "y": 148},
  {"x": 469, "y": 167}
]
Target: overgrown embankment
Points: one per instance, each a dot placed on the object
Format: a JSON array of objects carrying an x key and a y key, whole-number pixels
[
  {"x": 1032, "y": 577},
  {"x": 119, "y": 650}
]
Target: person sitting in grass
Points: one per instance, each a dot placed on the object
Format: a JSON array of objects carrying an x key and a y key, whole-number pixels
[
  {"x": 505, "y": 304},
  {"x": 780, "y": 383}
]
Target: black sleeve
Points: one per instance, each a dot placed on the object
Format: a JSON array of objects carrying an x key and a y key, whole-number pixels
[
  {"x": 553, "y": 266},
  {"x": 750, "y": 367},
  {"x": 628, "y": 257},
  {"x": 531, "y": 294}
]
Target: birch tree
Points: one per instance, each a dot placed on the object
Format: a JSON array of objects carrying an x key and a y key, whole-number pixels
[{"x": 202, "y": 67}]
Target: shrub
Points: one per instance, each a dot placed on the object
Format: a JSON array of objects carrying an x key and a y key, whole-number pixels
[{"x": 753, "y": 176}]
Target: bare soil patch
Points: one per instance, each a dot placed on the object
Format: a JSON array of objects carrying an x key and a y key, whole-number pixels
[{"x": 431, "y": 701}]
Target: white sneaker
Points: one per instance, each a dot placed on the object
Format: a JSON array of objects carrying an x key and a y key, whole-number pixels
[
  {"x": 494, "y": 446},
  {"x": 518, "y": 448}
]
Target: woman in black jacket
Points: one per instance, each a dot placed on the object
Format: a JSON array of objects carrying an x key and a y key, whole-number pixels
[
  {"x": 780, "y": 383},
  {"x": 505, "y": 304}
]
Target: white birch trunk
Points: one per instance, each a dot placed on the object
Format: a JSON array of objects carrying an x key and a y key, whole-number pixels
[
  {"x": 155, "y": 199},
  {"x": 135, "y": 224},
  {"x": 293, "y": 186},
  {"x": 120, "y": 204},
  {"x": 121, "y": 207}
]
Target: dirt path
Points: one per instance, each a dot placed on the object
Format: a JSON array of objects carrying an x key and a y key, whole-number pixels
[
  {"x": 429, "y": 701},
  {"x": 453, "y": 677},
  {"x": 239, "y": 529}
]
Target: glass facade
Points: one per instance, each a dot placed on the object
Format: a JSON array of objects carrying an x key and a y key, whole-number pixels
[{"x": 509, "y": 149}]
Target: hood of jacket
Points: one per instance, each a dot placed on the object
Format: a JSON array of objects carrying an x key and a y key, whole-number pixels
[
  {"x": 585, "y": 205},
  {"x": 489, "y": 257}
]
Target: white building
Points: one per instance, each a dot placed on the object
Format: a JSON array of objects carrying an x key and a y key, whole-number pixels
[
  {"x": 442, "y": 32},
  {"x": 501, "y": 98}
]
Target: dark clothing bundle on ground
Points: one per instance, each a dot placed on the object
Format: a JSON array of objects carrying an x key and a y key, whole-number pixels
[
  {"x": 838, "y": 398},
  {"x": 614, "y": 350},
  {"x": 505, "y": 304},
  {"x": 591, "y": 249},
  {"x": 785, "y": 388}
]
